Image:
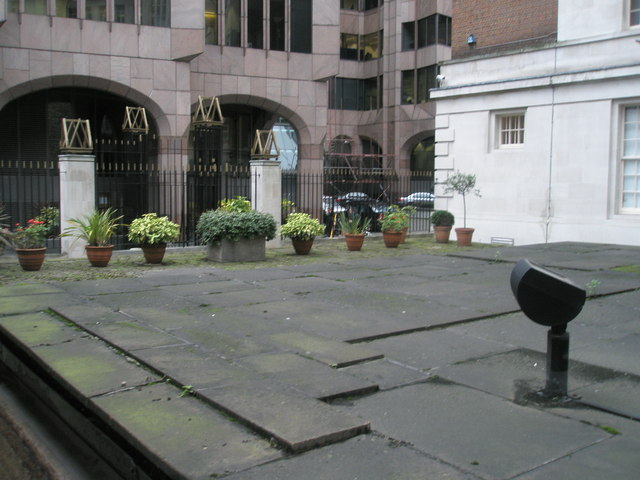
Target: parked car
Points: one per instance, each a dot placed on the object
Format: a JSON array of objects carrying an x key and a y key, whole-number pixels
[
  {"x": 417, "y": 199},
  {"x": 352, "y": 197}
]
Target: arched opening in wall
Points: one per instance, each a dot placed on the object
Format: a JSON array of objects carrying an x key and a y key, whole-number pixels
[
  {"x": 30, "y": 131},
  {"x": 219, "y": 156},
  {"x": 423, "y": 156},
  {"x": 339, "y": 153},
  {"x": 420, "y": 190}
]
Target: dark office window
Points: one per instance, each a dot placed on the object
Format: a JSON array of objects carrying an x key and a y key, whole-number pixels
[
  {"x": 422, "y": 32},
  {"x": 211, "y": 22},
  {"x": 444, "y": 30},
  {"x": 156, "y": 13},
  {"x": 254, "y": 24},
  {"x": 301, "y": 25},
  {"x": 123, "y": 11},
  {"x": 426, "y": 81},
  {"x": 355, "y": 94},
  {"x": 408, "y": 36},
  {"x": 349, "y": 46},
  {"x": 232, "y": 23},
  {"x": 408, "y": 87},
  {"x": 369, "y": 4},
  {"x": 67, "y": 8},
  {"x": 432, "y": 22},
  {"x": 371, "y": 46},
  {"x": 349, "y": 4},
  {"x": 276, "y": 25}
]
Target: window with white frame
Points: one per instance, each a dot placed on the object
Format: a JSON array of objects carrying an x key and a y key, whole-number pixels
[
  {"x": 630, "y": 202},
  {"x": 510, "y": 129},
  {"x": 634, "y": 12}
]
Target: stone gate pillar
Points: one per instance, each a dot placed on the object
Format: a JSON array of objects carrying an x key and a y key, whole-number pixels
[
  {"x": 77, "y": 196},
  {"x": 266, "y": 188}
]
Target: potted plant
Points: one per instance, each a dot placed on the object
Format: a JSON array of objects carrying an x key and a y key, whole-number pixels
[
  {"x": 235, "y": 235},
  {"x": 354, "y": 227},
  {"x": 463, "y": 184},
  {"x": 153, "y": 233},
  {"x": 442, "y": 221},
  {"x": 392, "y": 224},
  {"x": 96, "y": 229},
  {"x": 29, "y": 243},
  {"x": 301, "y": 228}
]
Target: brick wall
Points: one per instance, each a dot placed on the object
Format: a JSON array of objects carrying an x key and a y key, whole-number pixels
[{"x": 501, "y": 25}]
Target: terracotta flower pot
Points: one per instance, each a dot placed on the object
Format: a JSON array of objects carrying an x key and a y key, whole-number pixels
[
  {"x": 392, "y": 239},
  {"x": 442, "y": 233},
  {"x": 99, "y": 256},
  {"x": 354, "y": 241},
  {"x": 302, "y": 247},
  {"x": 464, "y": 236},
  {"x": 31, "y": 259},
  {"x": 154, "y": 253},
  {"x": 404, "y": 232}
]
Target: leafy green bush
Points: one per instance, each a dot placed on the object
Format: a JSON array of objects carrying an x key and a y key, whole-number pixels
[
  {"x": 216, "y": 225},
  {"x": 51, "y": 218},
  {"x": 442, "y": 218},
  {"x": 153, "y": 230},
  {"x": 236, "y": 204},
  {"x": 301, "y": 226},
  {"x": 396, "y": 219}
]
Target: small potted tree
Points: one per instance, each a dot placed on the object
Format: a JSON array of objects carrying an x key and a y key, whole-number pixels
[
  {"x": 354, "y": 227},
  {"x": 393, "y": 223},
  {"x": 463, "y": 184},
  {"x": 153, "y": 233},
  {"x": 96, "y": 229},
  {"x": 302, "y": 229},
  {"x": 442, "y": 221},
  {"x": 234, "y": 233}
]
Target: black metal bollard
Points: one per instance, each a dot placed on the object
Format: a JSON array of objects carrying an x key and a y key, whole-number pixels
[{"x": 552, "y": 300}]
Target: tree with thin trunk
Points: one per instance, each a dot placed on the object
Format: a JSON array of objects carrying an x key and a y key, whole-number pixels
[{"x": 462, "y": 183}]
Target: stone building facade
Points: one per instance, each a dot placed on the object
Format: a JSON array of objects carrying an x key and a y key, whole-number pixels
[
  {"x": 550, "y": 129},
  {"x": 267, "y": 61}
]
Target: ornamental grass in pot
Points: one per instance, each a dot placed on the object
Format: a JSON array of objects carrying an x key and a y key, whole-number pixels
[
  {"x": 96, "y": 229},
  {"x": 153, "y": 233},
  {"x": 302, "y": 229},
  {"x": 354, "y": 227}
]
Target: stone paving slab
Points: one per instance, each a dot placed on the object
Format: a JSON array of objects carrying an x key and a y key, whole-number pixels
[
  {"x": 32, "y": 303},
  {"x": 185, "y": 437},
  {"x": 434, "y": 349},
  {"x": 35, "y": 329},
  {"x": 364, "y": 457},
  {"x": 308, "y": 376},
  {"x": 575, "y": 255},
  {"x": 132, "y": 336},
  {"x": 619, "y": 354},
  {"x": 28, "y": 289},
  {"x": 518, "y": 373},
  {"x": 297, "y": 422},
  {"x": 90, "y": 368},
  {"x": 489, "y": 436},
  {"x": 211, "y": 287},
  {"x": 619, "y": 393},
  {"x": 192, "y": 366},
  {"x": 105, "y": 286},
  {"x": 331, "y": 352},
  {"x": 386, "y": 373},
  {"x": 88, "y": 314}
]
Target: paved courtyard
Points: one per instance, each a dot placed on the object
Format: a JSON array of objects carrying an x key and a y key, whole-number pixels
[{"x": 408, "y": 367}]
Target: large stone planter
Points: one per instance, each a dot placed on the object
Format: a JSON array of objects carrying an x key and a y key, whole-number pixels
[{"x": 244, "y": 250}]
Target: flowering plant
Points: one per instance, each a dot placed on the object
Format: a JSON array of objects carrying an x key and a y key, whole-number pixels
[{"x": 33, "y": 235}]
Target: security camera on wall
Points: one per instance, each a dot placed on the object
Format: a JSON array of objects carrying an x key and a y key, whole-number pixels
[{"x": 440, "y": 80}]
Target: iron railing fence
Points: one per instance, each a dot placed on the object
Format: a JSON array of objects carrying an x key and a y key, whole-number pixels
[
  {"x": 368, "y": 192},
  {"x": 134, "y": 188},
  {"x": 28, "y": 187}
]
